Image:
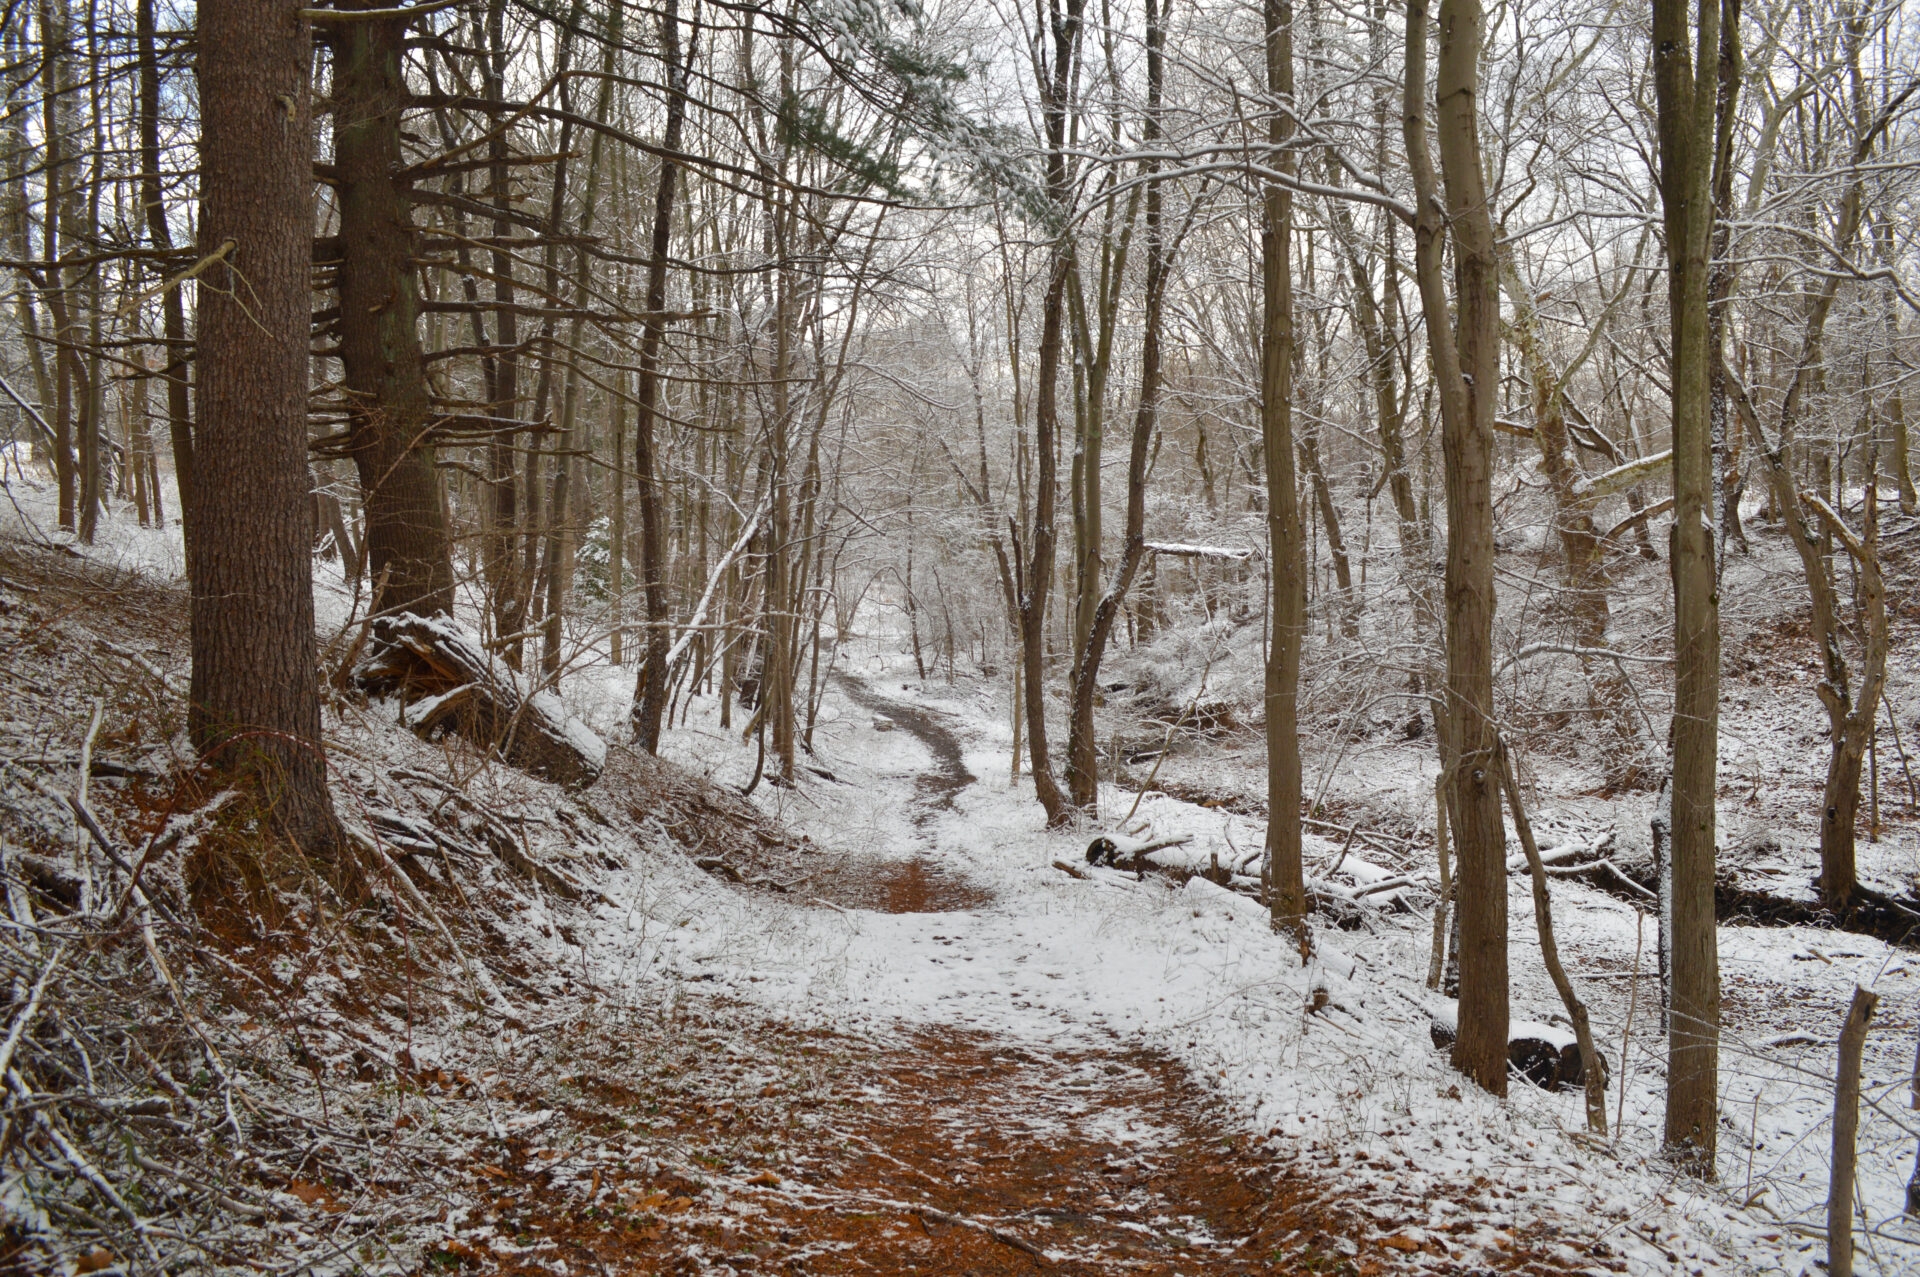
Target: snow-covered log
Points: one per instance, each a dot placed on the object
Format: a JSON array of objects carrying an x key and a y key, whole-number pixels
[
  {"x": 449, "y": 683},
  {"x": 1182, "y": 550}
]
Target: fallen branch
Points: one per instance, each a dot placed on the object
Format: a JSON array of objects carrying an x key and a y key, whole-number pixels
[{"x": 1592, "y": 1074}]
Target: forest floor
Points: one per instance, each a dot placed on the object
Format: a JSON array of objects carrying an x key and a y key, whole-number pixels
[
  {"x": 673, "y": 1126},
  {"x": 961, "y": 1152},
  {"x": 863, "y": 1022}
]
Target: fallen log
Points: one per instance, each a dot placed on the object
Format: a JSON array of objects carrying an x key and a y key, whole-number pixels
[
  {"x": 448, "y": 683},
  {"x": 1118, "y": 851}
]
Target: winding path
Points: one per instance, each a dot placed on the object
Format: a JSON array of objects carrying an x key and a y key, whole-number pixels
[
  {"x": 949, "y": 776},
  {"x": 925, "y": 883}
]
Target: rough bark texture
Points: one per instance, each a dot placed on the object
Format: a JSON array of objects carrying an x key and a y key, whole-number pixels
[
  {"x": 1286, "y": 885},
  {"x": 389, "y": 413},
  {"x": 448, "y": 683},
  {"x": 255, "y": 701},
  {"x": 1846, "y": 1131},
  {"x": 1686, "y": 88}
]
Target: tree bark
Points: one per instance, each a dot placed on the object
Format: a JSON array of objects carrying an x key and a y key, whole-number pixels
[
  {"x": 1686, "y": 84},
  {"x": 1846, "y": 1131},
  {"x": 502, "y": 511},
  {"x": 1036, "y": 576},
  {"x": 173, "y": 308},
  {"x": 1466, "y": 371},
  {"x": 650, "y": 689},
  {"x": 255, "y": 702},
  {"x": 389, "y": 413},
  {"x": 1286, "y": 542}
]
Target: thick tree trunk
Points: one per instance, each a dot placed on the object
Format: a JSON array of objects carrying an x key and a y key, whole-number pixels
[
  {"x": 255, "y": 703},
  {"x": 1840, "y": 810},
  {"x": 1466, "y": 371},
  {"x": 409, "y": 551},
  {"x": 1286, "y": 542},
  {"x": 1685, "y": 81}
]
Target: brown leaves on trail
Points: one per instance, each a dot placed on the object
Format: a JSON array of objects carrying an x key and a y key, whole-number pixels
[{"x": 950, "y": 1155}]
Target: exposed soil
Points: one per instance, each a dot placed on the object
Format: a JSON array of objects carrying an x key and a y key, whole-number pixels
[
  {"x": 895, "y": 886},
  {"x": 952, "y": 1155}
]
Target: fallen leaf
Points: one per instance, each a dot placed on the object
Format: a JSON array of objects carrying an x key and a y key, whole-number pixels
[
  {"x": 493, "y": 1171},
  {"x": 678, "y": 1204},
  {"x": 308, "y": 1193},
  {"x": 1400, "y": 1241},
  {"x": 93, "y": 1261}
]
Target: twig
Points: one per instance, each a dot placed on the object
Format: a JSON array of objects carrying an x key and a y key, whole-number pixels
[
  {"x": 25, "y": 1018},
  {"x": 82, "y": 1167},
  {"x": 79, "y": 804}
]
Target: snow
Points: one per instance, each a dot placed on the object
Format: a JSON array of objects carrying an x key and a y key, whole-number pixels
[{"x": 1193, "y": 970}]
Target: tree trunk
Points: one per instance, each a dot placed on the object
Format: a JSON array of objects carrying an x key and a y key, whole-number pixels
[
  {"x": 1057, "y": 79},
  {"x": 1038, "y": 582},
  {"x": 173, "y": 308},
  {"x": 1286, "y": 543},
  {"x": 389, "y": 414},
  {"x": 1846, "y": 1131},
  {"x": 1083, "y": 773},
  {"x": 58, "y": 236},
  {"x": 1466, "y": 372},
  {"x": 1728, "y": 479},
  {"x": 255, "y": 703},
  {"x": 650, "y": 689},
  {"x": 502, "y": 511},
  {"x": 1686, "y": 85}
]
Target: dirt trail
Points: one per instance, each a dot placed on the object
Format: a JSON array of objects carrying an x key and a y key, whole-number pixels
[
  {"x": 955, "y": 1154},
  {"x": 924, "y": 884}
]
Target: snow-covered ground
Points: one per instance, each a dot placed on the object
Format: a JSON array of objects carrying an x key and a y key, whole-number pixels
[{"x": 1353, "y": 1090}]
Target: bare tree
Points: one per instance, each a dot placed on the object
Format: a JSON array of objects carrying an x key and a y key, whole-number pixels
[{"x": 1686, "y": 77}]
